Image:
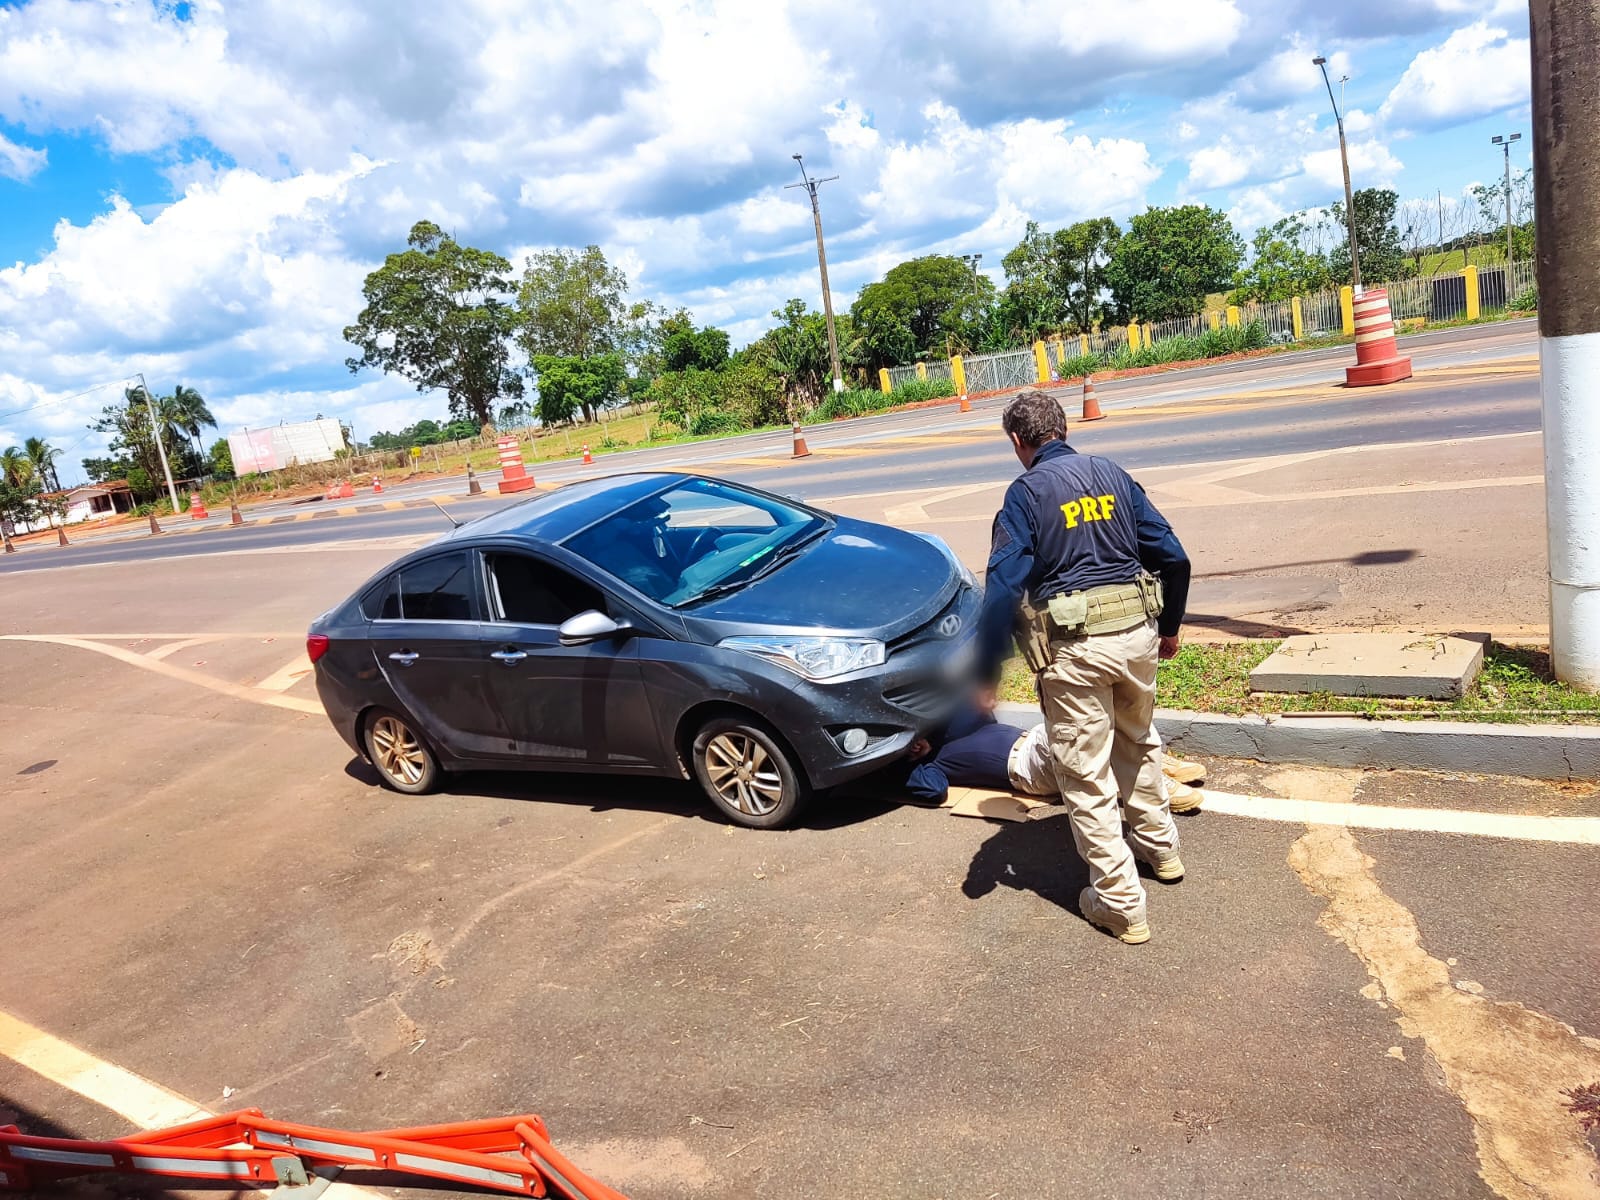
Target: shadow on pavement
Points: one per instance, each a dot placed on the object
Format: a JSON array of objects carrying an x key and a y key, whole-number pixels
[
  {"x": 1030, "y": 856},
  {"x": 638, "y": 793}
]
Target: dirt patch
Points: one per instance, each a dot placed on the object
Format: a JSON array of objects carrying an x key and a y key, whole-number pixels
[
  {"x": 1508, "y": 1065},
  {"x": 384, "y": 1029},
  {"x": 412, "y": 953}
]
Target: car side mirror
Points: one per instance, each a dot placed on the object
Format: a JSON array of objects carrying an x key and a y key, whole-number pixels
[{"x": 591, "y": 626}]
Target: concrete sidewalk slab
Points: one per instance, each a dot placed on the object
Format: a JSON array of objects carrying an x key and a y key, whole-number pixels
[{"x": 1373, "y": 664}]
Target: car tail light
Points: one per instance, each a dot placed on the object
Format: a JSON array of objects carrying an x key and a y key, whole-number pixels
[{"x": 316, "y": 645}]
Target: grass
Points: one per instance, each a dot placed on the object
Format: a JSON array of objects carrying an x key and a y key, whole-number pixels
[{"x": 1515, "y": 686}]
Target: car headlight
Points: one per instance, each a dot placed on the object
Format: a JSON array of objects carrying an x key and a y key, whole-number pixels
[
  {"x": 933, "y": 539},
  {"x": 813, "y": 657}
]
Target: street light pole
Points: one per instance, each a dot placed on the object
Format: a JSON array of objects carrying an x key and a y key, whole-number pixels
[
  {"x": 811, "y": 186},
  {"x": 1566, "y": 182},
  {"x": 1349, "y": 197},
  {"x": 161, "y": 446},
  {"x": 1505, "y": 143}
]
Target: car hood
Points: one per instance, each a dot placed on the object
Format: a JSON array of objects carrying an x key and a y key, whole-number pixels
[{"x": 860, "y": 577}]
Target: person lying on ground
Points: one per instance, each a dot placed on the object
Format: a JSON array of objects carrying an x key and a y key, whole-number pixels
[{"x": 975, "y": 750}]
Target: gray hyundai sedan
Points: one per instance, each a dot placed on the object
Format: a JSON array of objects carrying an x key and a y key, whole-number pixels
[{"x": 658, "y": 625}]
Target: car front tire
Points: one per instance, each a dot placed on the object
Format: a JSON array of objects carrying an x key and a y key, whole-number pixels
[
  {"x": 748, "y": 774},
  {"x": 403, "y": 759}
]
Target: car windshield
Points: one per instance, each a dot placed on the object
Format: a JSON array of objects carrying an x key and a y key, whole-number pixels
[{"x": 700, "y": 537}]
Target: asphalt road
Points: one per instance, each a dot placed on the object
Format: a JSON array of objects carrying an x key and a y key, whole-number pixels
[
  {"x": 203, "y": 887},
  {"x": 1466, "y": 386}
]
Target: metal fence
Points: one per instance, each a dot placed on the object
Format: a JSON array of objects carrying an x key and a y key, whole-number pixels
[
  {"x": 933, "y": 369},
  {"x": 999, "y": 372}
]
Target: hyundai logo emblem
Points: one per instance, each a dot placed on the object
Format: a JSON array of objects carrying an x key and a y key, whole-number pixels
[{"x": 950, "y": 626}]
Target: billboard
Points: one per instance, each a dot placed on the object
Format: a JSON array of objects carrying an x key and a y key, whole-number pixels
[{"x": 277, "y": 446}]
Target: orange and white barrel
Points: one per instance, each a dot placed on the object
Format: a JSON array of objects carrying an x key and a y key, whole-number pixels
[
  {"x": 514, "y": 475},
  {"x": 1378, "y": 358}
]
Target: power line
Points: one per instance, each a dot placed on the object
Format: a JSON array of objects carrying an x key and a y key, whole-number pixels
[{"x": 63, "y": 399}]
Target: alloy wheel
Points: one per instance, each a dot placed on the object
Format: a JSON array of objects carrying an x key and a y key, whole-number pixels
[
  {"x": 397, "y": 752},
  {"x": 744, "y": 774}
]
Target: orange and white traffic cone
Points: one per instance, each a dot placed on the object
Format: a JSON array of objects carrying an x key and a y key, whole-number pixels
[
  {"x": 377, "y": 486},
  {"x": 1091, "y": 406},
  {"x": 235, "y": 517},
  {"x": 154, "y": 528},
  {"x": 197, "y": 507},
  {"x": 800, "y": 448},
  {"x": 588, "y": 459},
  {"x": 61, "y": 535},
  {"x": 966, "y": 405}
]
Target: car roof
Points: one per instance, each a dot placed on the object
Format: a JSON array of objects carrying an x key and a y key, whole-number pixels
[{"x": 557, "y": 515}]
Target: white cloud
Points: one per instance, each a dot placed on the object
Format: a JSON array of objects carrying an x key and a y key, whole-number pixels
[
  {"x": 1371, "y": 165},
  {"x": 21, "y": 163},
  {"x": 1290, "y": 74},
  {"x": 1476, "y": 71},
  {"x": 1219, "y": 166}
]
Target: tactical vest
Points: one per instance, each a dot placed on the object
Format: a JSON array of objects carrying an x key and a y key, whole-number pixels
[{"x": 1086, "y": 533}]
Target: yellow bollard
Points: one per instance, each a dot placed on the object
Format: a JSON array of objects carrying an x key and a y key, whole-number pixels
[
  {"x": 1233, "y": 316},
  {"x": 1041, "y": 362},
  {"x": 1149, "y": 334},
  {"x": 958, "y": 375},
  {"x": 1299, "y": 321},
  {"x": 883, "y": 380},
  {"x": 1216, "y": 319},
  {"x": 1347, "y": 310},
  {"x": 922, "y": 370},
  {"x": 1133, "y": 336},
  {"x": 1083, "y": 343},
  {"x": 1474, "y": 295}
]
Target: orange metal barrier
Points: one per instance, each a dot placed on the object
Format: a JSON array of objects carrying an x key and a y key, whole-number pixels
[{"x": 248, "y": 1146}]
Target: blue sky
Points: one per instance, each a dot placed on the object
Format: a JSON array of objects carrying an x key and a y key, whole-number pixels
[{"x": 196, "y": 191}]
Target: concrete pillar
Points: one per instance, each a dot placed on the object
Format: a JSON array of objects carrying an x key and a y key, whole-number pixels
[
  {"x": 1041, "y": 363},
  {"x": 1347, "y": 310},
  {"x": 883, "y": 380},
  {"x": 1133, "y": 336},
  {"x": 958, "y": 374},
  {"x": 1298, "y": 318},
  {"x": 1083, "y": 343},
  {"x": 1216, "y": 319},
  {"x": 1474, "y": 295},
  {"x": 922, "y": 370},
  {"x": 1566, "y": 184}
]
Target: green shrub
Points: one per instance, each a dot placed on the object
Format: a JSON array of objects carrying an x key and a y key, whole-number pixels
[
  {"x": 1082, "y": 364},
  {"x": 914, "y": 391},
  {"x": 715, "y": 420},
  {"x": 1526, "y": 300}
]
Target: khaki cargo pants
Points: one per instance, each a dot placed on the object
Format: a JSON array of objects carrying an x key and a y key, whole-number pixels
[{"x": 1099, "y": 698}]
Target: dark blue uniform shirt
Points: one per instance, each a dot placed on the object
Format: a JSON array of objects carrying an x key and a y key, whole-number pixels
[
  {"x": 1069, "y": 522},
  {"x": 974, "y": 750}
]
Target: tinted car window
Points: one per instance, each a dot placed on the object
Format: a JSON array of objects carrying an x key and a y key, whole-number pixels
[
  {"x": 437, "y": 589},
  {"x": 528, "y": 591},
  {"x": 381, "y": 602}
]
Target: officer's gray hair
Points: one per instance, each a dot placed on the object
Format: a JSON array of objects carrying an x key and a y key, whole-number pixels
[{"x": 1035, "y": 418}]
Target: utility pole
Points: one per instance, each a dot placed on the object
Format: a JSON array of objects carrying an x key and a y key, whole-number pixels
[
  {"x": 1505, "y": 143},
  {"x": 1566, "y": 184},
  {"x": 1349, "y": 196},
  {"x": 161, "y": 445},
  {"x": 811, "y": 186}
]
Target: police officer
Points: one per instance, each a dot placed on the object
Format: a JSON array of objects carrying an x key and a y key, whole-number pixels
[{"x": 1094, "y": 582}]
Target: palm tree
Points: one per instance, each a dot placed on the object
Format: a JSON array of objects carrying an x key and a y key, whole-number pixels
[
  {"x": 15, "y": 466},
  {"x": 43, "y": 457},
  {"x": 185, "y": 411}
]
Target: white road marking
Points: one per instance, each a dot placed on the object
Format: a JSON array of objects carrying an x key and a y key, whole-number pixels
[
  {"x": 172, "y": 648},
  {"x": 143, "y": 1103},
  {"x": 1578, "y": 831},
  {"x": 286, "y": 676},
  {"x": 183, "y": 674}
]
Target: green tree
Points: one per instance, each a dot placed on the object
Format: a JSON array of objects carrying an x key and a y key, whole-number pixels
[
  {"x": 437, "y": 315},
  {"x": 1058, "y": 278},
  {"x": 220, "y": 459},
  {"x": 574, "y": 304},
  {"x": 569, "y": 384},
  {"x": 1170, "y": 260},
  {"x": 1383, "y": 255},
  {"x": 514, "y": 415},
  {"x": 132, "y": 450},
  {"x": 186, "y": 412},
  {"x": 796, "y": 351},
  {"x": 685, "y": 348},
  {"x": 16, "y": 468},
  {"x": 1491, "y": 202},
  {"x": 929, "y": 306},
  {"x": 1280, "y": 265},
  {"x": 43, "y": 456},
  {"x": 19, "y": 503}
]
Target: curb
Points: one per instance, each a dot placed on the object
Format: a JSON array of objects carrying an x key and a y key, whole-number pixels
[{"x": 1528, "y": 751}]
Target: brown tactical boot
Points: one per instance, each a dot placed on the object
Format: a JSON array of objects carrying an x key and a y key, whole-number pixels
[{"x": 1095, "y": 912}]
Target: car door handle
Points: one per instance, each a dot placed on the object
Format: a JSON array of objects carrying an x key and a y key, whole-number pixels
[
  {"x": 510, "y": 657},
  {"x": 404, "y": 657}
]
